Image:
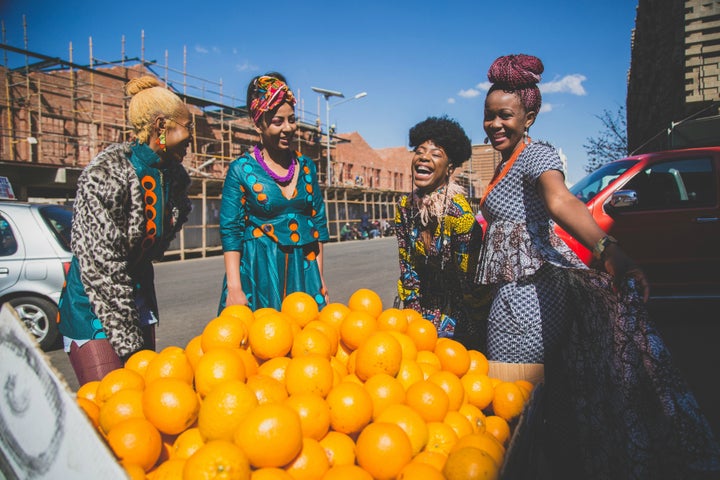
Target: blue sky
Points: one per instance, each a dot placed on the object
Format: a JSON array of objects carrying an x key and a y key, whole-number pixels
[{"x": 413, "y": 58}]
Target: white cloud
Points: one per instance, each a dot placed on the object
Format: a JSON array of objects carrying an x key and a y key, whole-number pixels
[
  {"x": 451, "y": 100},
  {"x": 200, "y": 49},
  {"x": 568, "y": 84},
  {"x": 469, "y": 93},
  {"x": 546, "y": 107},
  {"x": 485, "y": 86},
  {"x": 245, "y": 67}
]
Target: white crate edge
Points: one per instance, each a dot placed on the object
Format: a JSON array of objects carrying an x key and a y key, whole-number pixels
[{"x": 43, "y": 432}]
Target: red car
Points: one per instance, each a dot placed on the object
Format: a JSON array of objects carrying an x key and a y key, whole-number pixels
[{"x": 664, "y": 209}]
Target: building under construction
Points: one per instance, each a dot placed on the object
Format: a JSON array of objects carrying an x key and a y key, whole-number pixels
[{"x": 57, "y": 115}]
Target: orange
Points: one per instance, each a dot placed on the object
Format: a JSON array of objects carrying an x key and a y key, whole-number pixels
[
  {"x": 92, "y": 411},
  {"x": 384, "y": 390},
  {"x": 434, "y": 459},
  {"x": 339, "y": 366},
  {"x": 137, "y": 441},
  {"x": 453, "y": 356},
  {"x": 267, "y": 389},
  {"x": 339, "y": 448},
  {"x": 428, "y": 369},
  {"x": 343, "y": 352},
  {"x": 218, "y": 365},
  {"x": 120, "y": 406},
  {"x": 383, "y": 449},
  {"x": 139, "y": 361},
  {"x": 356, "y": 328},
  {"x": 271, "y": 335},
  {"x": 301, "y": 307},
  {"x": 452, "y": 386},
  {"x": 89, "y": 391},
  {"x": 275, "y": 368},
  {"x": 420, "y": 471},
  {"x": 171, "y": 469},
  {"x": 428, "y": 399},
  {"x": 380, "y": 353},
  {"x": 479, "y": 389},
  {"x": 409, "y": 373},
  {"x": 351, "y": 407},
  {"x": 187, "y": 443},
  {"x": 334, "y": 314},
  {"x": 409, "y": 350},
  {"x": 116, "y": 380},
  {"x": 459, "y": 423},
  {"x": 508, "y": 401},
  {"x": 366, "y": 300},
  {"x": 423, "y": 333},
  {"x": 309, "y": 374},
  {"x": 270, "y": 435},
  {"x": 136, "y": 472},
  {"x": 412, "y": 314},
  {"x": 260, "y": 312},
  {"x": 270, "y": 473},
  {"x": 193, "y": 350},
  {"x": 217, "y": 459},
  {"x": 429, "y": 357},
  {"x": 241, "y": 312},
  {"x": 314, "y": 413},
  {"x": 392, "y": 319},
  {"x": 223, "y": 408},
  {"x": 224, "y": 331},
  {"x": 441, "y": 437},
  {"x": 170, "y": 404},
  {"x": 251, "y": 363},
  {"x": 474, "y": 415},
  {"x": 410, "y": 421},
  {"x": 352, "y": 363},
  {"x": 526, "y": 386},
  {"x": 347, "y": 472},
  {"x": 470, "y": 463},
  {"x": 330, "y": 331},
  {"x": 483, "y": 441},
  {"x": 478, "y": 362},
  {"x": 498, "y": 427},
  {"x": 311, "y": 341},
  {"x": 311, "y": 463},
  {"x": 171, "y": 362}
]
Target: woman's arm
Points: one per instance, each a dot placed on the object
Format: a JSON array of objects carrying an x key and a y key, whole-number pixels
[
  {"x": 409, "y": 282},
  {"x": 236, "y": 295},
  {"x": 232, "y": 227},
  {"x": 574, "y": 217}
]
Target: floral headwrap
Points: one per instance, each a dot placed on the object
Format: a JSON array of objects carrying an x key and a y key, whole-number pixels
[{"x": 273, "y": 93}]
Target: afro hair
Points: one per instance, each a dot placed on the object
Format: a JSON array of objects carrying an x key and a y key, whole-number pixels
[{"x": 445, "y": 133}]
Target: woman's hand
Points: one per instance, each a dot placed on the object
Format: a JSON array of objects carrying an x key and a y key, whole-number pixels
[
  {"x": 621, "y": 267},
  {"x": 236, "y": 296}
]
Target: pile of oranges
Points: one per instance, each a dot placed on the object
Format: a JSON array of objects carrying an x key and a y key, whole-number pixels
[{"x": 350, "y": 392}]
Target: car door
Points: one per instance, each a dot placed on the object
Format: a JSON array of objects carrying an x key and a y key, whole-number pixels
[
  {"x": 673, "y": 231},
  {"x": 12, "y": 252}
]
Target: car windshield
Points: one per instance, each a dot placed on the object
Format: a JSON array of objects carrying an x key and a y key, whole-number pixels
[
  {"x": 59, "y": 219},
  {"x": 595, "y": 182}
]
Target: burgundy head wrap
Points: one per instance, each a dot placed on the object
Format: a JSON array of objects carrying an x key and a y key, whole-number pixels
[
  {"x": 518, "y": 74},
  {"x": 273, "y": 92}
]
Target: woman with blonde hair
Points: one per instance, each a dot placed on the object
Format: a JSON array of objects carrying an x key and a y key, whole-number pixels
[{"x": 131, "y": 201}]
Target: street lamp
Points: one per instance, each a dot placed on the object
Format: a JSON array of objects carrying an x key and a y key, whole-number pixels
[{"x": 327, "y": 94}]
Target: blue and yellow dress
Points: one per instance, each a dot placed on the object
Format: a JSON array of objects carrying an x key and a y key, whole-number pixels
[{"x": 277, "y": 237}]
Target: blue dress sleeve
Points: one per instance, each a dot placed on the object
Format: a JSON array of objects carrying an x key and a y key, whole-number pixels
[{"x": 232, "y": 210}]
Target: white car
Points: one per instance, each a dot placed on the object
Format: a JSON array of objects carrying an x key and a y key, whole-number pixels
[{"x": 34, "y": 259}]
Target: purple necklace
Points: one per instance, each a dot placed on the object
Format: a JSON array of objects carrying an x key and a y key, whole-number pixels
[{"x": 275, "y": 176}]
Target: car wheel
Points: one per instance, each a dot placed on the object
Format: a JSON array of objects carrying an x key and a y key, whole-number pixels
[{"x": 40, "y": 317}]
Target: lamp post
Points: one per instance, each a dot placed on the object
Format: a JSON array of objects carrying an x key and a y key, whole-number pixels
[{"x": 327, "y": 94}]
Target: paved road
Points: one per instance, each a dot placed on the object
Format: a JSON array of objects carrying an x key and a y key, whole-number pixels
[{"x": 188, "y": 293}]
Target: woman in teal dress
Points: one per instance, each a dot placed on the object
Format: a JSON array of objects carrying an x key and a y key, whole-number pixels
[{"x": 272, "y": 215}]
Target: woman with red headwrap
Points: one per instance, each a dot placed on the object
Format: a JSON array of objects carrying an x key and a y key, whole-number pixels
[
  {"x": 613, "y": 405},
  {"x": 272, "y": 215}
]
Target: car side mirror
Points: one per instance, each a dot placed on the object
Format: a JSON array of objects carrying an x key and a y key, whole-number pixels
[{"x": 622, "y": 199}]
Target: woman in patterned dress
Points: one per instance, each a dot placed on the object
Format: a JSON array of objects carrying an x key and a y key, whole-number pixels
[
  {"x": 613, "y": 405},
  {"x": 272, "y": 215},
  {"x": 131, "y": 202},
  {"x": 438, "y": 236}
]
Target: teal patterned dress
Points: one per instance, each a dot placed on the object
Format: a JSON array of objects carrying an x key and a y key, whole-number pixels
[{"x": 277, "y": 237}]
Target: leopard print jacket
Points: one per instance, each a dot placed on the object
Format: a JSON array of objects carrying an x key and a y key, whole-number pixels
[{"x": 108, "y": 224}]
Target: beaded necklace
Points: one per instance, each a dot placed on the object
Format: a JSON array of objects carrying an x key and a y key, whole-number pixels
[{"x": 273, "y": 175}]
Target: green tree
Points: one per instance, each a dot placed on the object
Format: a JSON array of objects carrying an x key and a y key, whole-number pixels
[{"x": 611, "y": 143}]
